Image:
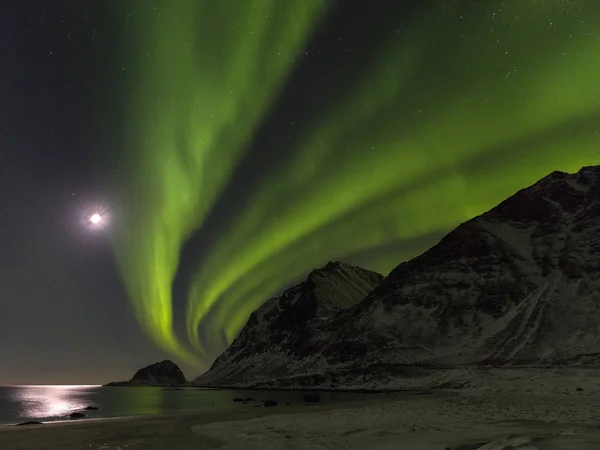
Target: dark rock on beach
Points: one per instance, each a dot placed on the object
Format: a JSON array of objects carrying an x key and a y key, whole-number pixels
[
  {"x": 29, "y": 422},
  {"x": 312, "y": 398}
]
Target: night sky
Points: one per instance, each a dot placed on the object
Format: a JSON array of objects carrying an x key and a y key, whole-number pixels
[{"x": 232, "y": 146}]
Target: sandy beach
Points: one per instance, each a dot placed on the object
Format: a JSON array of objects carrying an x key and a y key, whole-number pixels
[{"x": 521, "y": 409}]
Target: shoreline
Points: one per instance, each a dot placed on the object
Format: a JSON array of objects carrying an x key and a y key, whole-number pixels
[
  {"x": 256, "y": 408},
  {"x": 525, "y": 410},
  {"x": 256, "y": 404},
  {"x": 315, "y": 390},
  {"x": 266, "y": 389},
  {"x": 50, "y": 423},
  {"x": 172, "y": 429}
]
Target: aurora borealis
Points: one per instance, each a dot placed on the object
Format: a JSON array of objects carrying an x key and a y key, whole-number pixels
[
  {"x": 194, "y": 116},
  {"x": 400, "y": 123}
]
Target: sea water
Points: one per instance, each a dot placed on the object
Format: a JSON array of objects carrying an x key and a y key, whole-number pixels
[{"x": 55, "y": 403}]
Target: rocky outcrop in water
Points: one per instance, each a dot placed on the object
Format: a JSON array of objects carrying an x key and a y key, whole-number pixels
[{"x": 164, "y": 373}]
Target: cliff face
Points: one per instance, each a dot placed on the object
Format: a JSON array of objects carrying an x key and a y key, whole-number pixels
[
  {"x": 519, "y": 284},
  {"x": 288, "y": 328}
]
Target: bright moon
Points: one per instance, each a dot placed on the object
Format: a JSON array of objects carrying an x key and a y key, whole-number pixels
[{"x": 96, "y": 218}]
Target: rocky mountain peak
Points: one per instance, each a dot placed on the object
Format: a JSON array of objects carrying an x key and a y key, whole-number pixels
[
  {"x": 550, "y": 198},
  {"x": 280, "y": 328}
]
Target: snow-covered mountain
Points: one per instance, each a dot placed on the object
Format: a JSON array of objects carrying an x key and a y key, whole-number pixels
[
  {"x": 519, "y": 284},
  {"x": 287, "y": 328}
]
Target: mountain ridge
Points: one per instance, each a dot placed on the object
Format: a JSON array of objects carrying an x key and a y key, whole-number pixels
[{"x": 519, "y": 284}]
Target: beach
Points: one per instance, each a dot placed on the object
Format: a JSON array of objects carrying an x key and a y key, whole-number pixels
[
  {"x": 169, "y": 432},
  {"x": 463, "y": 422},
  {"x": 520, "y": 409}
]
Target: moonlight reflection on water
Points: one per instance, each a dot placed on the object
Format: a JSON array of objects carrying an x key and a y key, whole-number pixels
[{"x": 48, "y": 401}]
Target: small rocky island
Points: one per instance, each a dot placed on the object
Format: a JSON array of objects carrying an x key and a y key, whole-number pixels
[{"x": 164, "y": 373}]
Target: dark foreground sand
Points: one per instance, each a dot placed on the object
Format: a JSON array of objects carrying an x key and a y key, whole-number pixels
[{"x": 168, "y": 432}]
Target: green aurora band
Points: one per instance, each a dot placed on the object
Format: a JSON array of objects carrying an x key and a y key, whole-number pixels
[
  {"x": 205, "y": 72},
  {"x": 462, "y": 106},
  {"x": 486, "y": 102}
]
